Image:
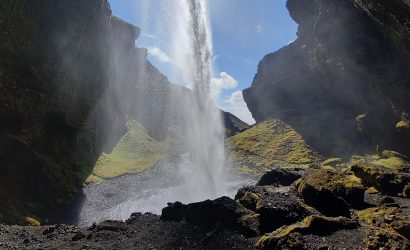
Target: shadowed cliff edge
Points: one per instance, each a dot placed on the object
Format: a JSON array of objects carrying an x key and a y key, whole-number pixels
[{"x": 343, "y": 84}]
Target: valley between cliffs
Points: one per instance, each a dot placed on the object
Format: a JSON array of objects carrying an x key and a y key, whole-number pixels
[{"x": 326, "y": 164}]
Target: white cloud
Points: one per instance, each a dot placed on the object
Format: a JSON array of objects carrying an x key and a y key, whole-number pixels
[
  {"x": 236, "y": 97},
  {"x": 149, "y": 35},
  {"x": 225, "y": 81},
  {"x": 236, "y": 105},
  {"x": 259, "y": 28},
  {"x": 158, "y": 54}
]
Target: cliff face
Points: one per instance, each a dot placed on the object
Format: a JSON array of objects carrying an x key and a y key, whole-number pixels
[
  {"x": 344, "y": 83},
  {"x": 70, "y": 77}
]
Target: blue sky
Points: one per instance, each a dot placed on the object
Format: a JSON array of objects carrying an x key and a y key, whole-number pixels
[{"x": 243, "y": 31}]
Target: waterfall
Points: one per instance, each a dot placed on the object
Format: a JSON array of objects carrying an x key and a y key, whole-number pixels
[
  {"x": 192, "y": 50},
  {"x": 200, "y": 173}
]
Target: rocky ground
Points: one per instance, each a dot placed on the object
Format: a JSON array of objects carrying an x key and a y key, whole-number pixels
[{"x": 355, "y": 205}]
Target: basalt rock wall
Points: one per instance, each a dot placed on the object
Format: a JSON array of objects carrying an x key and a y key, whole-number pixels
[
  {"x": 344, "y": 83},
  {"x": 70, "y": 77}
]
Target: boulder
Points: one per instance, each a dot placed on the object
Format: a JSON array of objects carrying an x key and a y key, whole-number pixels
[
  {"x": 209, "y": 213},
  {"x": 278, "y": 209},
  {"x": 281, "y": 177},
  {"x": 331, "y": 193},
  {"x": 276, "y": 206},
  {"x": 390, "y": 218},
  {"x": 406, "y": 191},
  {"x": 316, "y": 225},
  {"x": 384, "y": 179},
  {"x": 384, "y": 238},
  {"x": 111, "y": 225},
  {"x": 248, "y": 197}
]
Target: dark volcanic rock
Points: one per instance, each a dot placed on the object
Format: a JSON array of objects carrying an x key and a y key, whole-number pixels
[
  {"x": 70, "y": 77},
  {"x": 331, "y": 193},
  {"x": 385, "y": 180},
  {"x": 344, "y": 83},
  {"x": 278, "y": 209},
  {"x": 233, "y": 124},
  {"x": 277, "y": 176},
  {"x": 111, "y": 225},
  {"x": 209, "y": 213},
  {"x": 276, "y": 206},
  {"x": 290, "y": 237}
]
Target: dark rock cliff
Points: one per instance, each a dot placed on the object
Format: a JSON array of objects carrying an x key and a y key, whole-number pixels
[
  {"x": 233, "y": 124},
  {"x": 344, "y": 84},
  {"x": 70, "y": 77}
]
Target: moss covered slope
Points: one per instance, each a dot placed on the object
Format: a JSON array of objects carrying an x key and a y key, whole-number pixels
[
  {"x": 271, "y": 143},
  {"x": 136, "y": 151}
]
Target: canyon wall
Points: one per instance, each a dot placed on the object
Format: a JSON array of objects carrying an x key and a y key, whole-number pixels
[
  {"x": 70, "y": 78},
  {"x": 344, "y": 83}
]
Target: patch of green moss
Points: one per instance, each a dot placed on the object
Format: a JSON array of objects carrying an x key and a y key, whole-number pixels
[
  {"x": 333, "y": 162},
  {"x": 403, "y": 125},
  {"x": 393, "y": 163},
  {"x": 135, "y": 152},
  {"x": 32, "y": 222},
  {"x": 324, "y": 179},
  {"x": 312, "y": 224},
  {"x": 271, "y": 143},
  {"x": 373, "y": 214}
]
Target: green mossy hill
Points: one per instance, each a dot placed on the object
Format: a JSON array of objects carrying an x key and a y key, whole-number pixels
[
  {"x": 271, "y": 143},
  {"x": 135, "y": 152}
]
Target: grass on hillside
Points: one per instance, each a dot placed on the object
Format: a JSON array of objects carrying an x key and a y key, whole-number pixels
[
  {"x": 136, "y": 151},
  {"x": 271, "y": 143}
]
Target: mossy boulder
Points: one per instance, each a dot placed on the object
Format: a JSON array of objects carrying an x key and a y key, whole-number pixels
[
  {"x": 271, "y": 143},
  {"x": 330, "y": 192},
  {"x": 390, "y": 218},
  {"x": 386, "y": 180},
  {"x": 384, "y": 238},
  {"x": 248, "y": 199},
  {"x": 316, "y": 225}
]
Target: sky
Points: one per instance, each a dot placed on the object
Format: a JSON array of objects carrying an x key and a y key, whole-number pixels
[{"x": 243, "y": 31}]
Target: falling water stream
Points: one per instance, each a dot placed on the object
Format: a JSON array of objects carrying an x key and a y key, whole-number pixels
[{"x": 197, "y": 174}]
